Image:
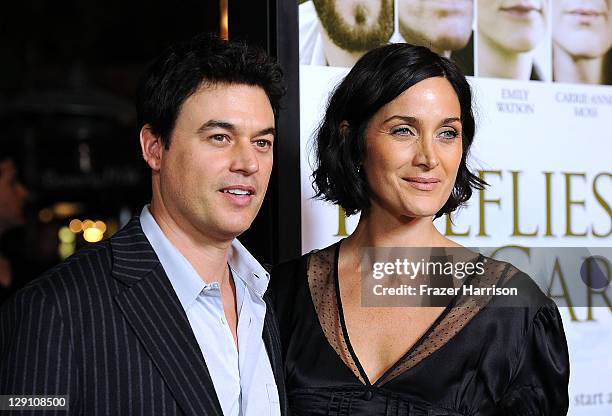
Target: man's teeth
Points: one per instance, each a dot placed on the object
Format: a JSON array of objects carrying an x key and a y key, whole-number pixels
[{"x": 236, "y": 191}]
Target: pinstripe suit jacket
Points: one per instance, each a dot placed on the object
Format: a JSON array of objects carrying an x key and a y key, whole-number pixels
[{"x": 106, "y": 328}]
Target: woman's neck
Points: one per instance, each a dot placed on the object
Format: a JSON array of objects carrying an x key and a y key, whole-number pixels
[
  {"x": 496, "y": 62},
  {"x": 568, "y": 68},
  {"x": 385, "y": 230}
]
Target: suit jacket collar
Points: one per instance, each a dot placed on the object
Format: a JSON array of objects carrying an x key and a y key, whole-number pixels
[
  {"x": 152, "y": 308},
  {"x": 154, "y": 312}
]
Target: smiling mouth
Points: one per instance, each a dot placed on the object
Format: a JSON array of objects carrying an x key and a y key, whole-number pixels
[
  {"x": 240, "y": 192},
  {"x": 423, "y": 184}
]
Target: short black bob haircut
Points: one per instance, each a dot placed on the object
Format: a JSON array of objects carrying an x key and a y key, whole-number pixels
[
  {"x": 377, "y": 78},
  {"x": 185, "y": 66}
]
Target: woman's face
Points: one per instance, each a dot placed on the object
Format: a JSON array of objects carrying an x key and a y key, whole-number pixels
[
  {"x": 513, "y": 25},
  {"x": 413, "y": 150},
  {"x": 583, "y": 28}
]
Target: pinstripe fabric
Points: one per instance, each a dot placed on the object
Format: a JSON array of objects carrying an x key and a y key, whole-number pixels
[{"x": 106, "y": 328}]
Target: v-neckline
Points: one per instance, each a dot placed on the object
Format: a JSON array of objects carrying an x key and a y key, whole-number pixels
[{"x": 346, "y": 337}]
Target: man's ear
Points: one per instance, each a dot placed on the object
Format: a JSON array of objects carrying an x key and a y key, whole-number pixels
[{"x": 152, "y": 147}]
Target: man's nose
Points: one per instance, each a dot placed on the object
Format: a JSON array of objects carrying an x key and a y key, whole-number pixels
[{"x": 244, "y": 158}]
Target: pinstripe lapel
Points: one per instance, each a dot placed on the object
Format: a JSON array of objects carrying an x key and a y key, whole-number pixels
[
  {"x": 271, "y": 338},
  {"x": 154, "y": 312}
]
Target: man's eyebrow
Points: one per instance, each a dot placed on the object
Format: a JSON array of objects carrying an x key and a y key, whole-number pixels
[
  {"x": 265, "y": 132},
  {"x": 211, "y": 124},
  {"x": 219, "y": 124}
]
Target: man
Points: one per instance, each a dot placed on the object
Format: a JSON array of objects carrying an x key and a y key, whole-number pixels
[
  {"x": 168, "y": 316},
  {"x": 12, "y": 199}
]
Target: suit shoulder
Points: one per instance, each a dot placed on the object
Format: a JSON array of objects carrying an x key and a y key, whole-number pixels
[{"x": 82, "y": 270}]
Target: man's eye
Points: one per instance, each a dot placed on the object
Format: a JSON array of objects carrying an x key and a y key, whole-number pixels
[
  {"x": 263, "y": 143},
  {"x": 219, "y": 138}
]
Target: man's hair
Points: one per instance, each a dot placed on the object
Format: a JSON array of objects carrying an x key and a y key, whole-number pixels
[
  {"x": 203, "y": 60},
  {"x": 379, "y": 77}
]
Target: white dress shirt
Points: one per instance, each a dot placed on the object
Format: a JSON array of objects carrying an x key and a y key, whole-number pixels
[{"x": 243, "y": 377}]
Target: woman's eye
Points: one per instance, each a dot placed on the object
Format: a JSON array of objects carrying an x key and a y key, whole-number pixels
[
  {"x": 402, "y": 131},
  {"x": 449, "y": 134}
]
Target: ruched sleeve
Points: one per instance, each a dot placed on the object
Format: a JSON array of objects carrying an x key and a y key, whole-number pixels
[{"x": 540, "y": 383}]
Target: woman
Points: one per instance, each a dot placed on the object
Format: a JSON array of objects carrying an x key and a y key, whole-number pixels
[
  {"x": 508, "y": 33},
  {"x": 582, "y": 42},
  {"x": 393, "y": 145}
]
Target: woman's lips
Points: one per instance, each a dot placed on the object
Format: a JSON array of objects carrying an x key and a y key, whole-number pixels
[{"x": 423, "y": 184}]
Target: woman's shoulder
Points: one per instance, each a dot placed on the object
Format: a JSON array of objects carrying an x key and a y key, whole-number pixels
[
  {"x": 510, "y": 287},
  {"x": 528, "y": 292},
  {"x": 288, "y": 275}
]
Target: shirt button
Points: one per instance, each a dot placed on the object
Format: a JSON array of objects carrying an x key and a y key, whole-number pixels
[{"x": 368, "y": 395}]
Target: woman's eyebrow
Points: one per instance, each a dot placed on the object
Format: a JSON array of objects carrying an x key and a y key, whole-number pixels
[
  {"x": 406, "y": 119},
  {"x": 451, "y": 120},
  {"x": 416, "y": 121}
]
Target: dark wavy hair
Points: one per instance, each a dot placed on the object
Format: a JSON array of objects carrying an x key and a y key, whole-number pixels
[
  {"x": 185, "y": 66},
  {"x": 376, "y": 79}
]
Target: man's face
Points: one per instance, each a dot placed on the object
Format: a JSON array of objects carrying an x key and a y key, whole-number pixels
[
  {"x": 441, "y": 25},
  {"x": 214, "y": 175},
  {"x": 12, "y": 196},
  {"x": 356, "y": 25}
]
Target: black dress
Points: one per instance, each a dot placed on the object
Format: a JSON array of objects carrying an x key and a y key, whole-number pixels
[{"x": 480, "y": 357}]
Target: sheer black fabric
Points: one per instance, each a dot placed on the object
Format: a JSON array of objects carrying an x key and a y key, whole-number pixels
[{"x": 480, "y": 357}]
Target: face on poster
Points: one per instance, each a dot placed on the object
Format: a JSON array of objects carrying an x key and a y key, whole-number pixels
[
  {"x": 513, "y": 39},
  {"x": 582, "y": 41},
  {"x": 338, "y": 32}
]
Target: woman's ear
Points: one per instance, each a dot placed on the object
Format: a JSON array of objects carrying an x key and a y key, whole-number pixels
[{"x": 344, "y": 128}]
